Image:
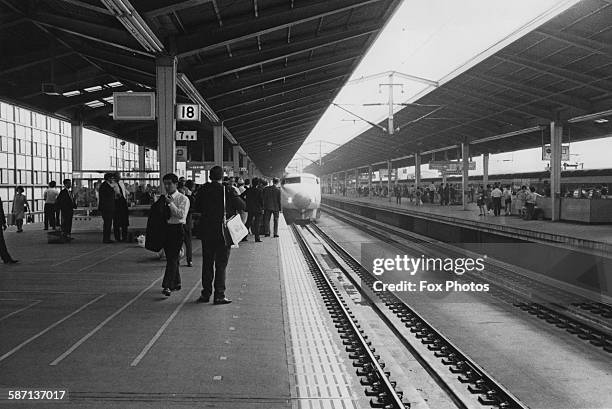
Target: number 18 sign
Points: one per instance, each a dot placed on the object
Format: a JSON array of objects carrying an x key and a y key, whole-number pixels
[{"x": 187, "y": 112}]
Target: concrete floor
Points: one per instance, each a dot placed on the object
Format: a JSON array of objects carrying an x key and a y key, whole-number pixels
[
  {"x": 90, "y": 319},
  {"x": 542, "y": 365}
]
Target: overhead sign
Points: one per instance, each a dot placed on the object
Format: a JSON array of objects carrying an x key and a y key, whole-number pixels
[
  {"x": 181, "y": 154},
  {"x": 186, "y": 135},
  {"x": 450, "y": 166},
  {"x": 187, "y": 112},
  {"x": 547, "y": 152},
  {"x": 133, "y": 106}
]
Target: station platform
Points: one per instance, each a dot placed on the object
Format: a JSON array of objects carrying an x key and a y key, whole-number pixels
[
  {"x": 575, "y": 235},
  {"x": 90, "y": 319}
]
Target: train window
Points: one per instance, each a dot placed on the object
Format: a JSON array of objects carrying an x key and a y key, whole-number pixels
[
  {"x": 292, "y": 180},
  {"x": 299, "y": 179}
]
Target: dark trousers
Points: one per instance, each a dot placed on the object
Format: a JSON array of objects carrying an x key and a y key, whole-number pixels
[
  {"x": 66, "y": 223},
  {"x": 50, "y": 218},
  {"x": 497, "y": 206},
  {"x": 120, "y": 229},
  {"x": 187, "y": 237},
  {"x": 107, "y": 219},
  {"x": 254, "y": 222},
  {"x": 267, "y": 214},
  {"x": 172, "y": 247},
  {"x": 3, "y": 250},
  {"x": 215, "y": 256}
]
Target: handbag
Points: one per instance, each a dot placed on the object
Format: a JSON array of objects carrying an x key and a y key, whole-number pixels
[{"x": 233, "y": 229}]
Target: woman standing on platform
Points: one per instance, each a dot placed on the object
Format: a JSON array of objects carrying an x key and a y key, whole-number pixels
[
  {"x": 4, "y": 254},
  {"x": 20, "y": 207}
]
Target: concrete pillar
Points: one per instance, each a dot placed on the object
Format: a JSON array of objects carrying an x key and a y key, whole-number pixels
[
  {"x": 77, "y": 148},
  {"x": 556, "y": 138},
  {"x": 417, "y": 169},
  {"x": 389, "y": 186},
  {"x": 165, "y": 73},
  {"x": 370, "y": 181},
  {"x": 485, "y": 170},
  {"x": 465, "y": 156},
  {"x": 236, "y": 158},
  {"x": 142, "y": 158},
  {"x": 218, "y": 144}
]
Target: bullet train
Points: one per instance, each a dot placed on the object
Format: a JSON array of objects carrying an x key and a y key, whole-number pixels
[{"x": 300, "y": 197}]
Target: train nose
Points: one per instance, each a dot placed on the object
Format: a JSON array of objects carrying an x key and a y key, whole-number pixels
[{"x": 301, "y": 201}]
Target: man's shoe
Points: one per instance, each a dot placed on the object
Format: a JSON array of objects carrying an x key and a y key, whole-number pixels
[
  {"x": 166, "y": 292},
  {"x": 203, "y": 299},
  {"x": 223, "y": 300},
  {"x": 189, "y": 264},
  {"x": 276, "y": 236},
  {"x": 11, "y": 261},
  {"x": 257, "y": 240}
]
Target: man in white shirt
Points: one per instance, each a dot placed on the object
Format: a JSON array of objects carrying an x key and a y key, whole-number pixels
[
  {"x": 178, "y": 206},
  {"x": 50, "y": 197},
  {"x": 496, "y": 195}
]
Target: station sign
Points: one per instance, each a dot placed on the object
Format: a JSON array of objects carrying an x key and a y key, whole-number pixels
[
  {"x": 181, "y": 154},
  {"x": 187, "y": 112},
  {"x": 450, "y": 166},
  {"x": 187, "y": 136},
  {"x": 547, "y": 152}
]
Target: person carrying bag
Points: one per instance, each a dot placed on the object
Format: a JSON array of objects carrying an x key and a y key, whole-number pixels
[{"x": 215, "y": 202}]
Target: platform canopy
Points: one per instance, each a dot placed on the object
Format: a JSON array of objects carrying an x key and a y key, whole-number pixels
[
  {"x": 268, "y": 68},
  {"x": 561, "y": 71}
]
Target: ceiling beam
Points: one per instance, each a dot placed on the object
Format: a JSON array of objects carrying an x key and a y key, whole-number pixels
[
  {"x": 586, "y": 80},
  {"x": 90, "y": 31},
  {"x": 272, "y": 75},
  {"x": 285, "y": 102},
  {"x": 274, "y": 92},
  {"x": 31, "y": 59},
  {"x": 279, "y": 114},
  {"x": 585, "y": 43},
  {"x": 227, "y": 66},
  {"x": 174, "y": 7},
  {"x": 205, "y": 40},
  {"x": 554, "y": 97},
  {"x": 286, "y": 119}
]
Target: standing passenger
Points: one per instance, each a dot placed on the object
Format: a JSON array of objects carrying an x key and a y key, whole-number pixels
[
  {"x": 215, "y": 202},
  {"x": 50, "y": 197},
  {"x": 4, "y": 254},
  {"x": 20, "y": 207},
  {"x": 178, "y": 206},
  {"x": 121, "y": 217},
  {"x": 272, "y": 206},
  {"x": 254, "y": 204},
  {"x": 508, "y": 200},
  {"x": 185, "y": 188},
  {"x": 66, "y": 205},
  {"x": 107, "y": 206},
  {"x": 496, "y": 197}
]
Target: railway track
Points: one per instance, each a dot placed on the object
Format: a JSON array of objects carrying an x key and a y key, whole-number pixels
[
  {"x": 587, "y": 319},
  {"x": 463, "y": 380}
]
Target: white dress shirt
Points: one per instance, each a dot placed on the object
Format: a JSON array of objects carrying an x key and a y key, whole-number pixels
[{"x": 179, "y": 207}]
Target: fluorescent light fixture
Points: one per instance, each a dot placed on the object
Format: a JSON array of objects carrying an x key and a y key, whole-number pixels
[
  {"x": 71, "y": 93},
  {"x": 114, "y": 84},
  {"x": 590, "y": 117},
  {"x": 93, "y": 89},
  {"x": 508, "y": 134},
  {"x": 601, "y": 121},
  {"x": 131, "y": 20},
  {"x": 94, "y": 104}
]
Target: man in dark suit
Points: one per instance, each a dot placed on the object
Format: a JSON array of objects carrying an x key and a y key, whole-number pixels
[
  {"x": 254, "y": 205},
  {"x": 4, "y": 254},
  {"x": 106, "y": 206},
  {"x": 272, "y": 206},
  {"x": 212, "y": 200},
  {"x": 66, "y": 205}
]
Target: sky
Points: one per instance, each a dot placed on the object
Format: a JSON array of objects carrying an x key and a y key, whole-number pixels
[{"x": 436, "y": 40}]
